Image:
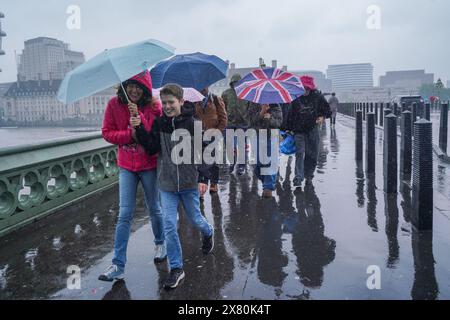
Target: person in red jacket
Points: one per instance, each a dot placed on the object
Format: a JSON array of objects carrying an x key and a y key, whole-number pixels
[{"x": 135, "y": 166}]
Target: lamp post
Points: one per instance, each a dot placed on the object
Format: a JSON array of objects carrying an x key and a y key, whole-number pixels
[{"x": 2, "y": 35}]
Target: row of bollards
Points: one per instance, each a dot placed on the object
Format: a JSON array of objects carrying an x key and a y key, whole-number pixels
[{"x": 416, "y": 154}]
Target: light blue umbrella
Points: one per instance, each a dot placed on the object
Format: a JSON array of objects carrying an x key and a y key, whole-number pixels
[{"x": 110, "y": 68}]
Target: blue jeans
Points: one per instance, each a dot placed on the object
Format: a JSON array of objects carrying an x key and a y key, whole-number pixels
[
  {"x": 241, "y": 166},
  {"x": 307, "y": 154},
  {"x": 268, "y": 181},
  {"x": 128, "y": 183},
  {"x": 191, "y": 204}
]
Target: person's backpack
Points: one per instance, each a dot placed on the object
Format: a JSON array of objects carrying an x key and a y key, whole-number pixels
[{"x": 306, "y": 118}]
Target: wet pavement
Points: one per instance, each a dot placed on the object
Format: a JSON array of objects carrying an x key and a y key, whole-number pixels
[{"x": 312, "y": 244}]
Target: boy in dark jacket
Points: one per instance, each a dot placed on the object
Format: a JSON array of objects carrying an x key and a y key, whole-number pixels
[
  {"x": 177, "y": 180},
  {"x": 305, "y": 119}
]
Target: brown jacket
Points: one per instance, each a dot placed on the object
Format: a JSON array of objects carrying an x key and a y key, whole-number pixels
[{"x": 213, "y": 116}]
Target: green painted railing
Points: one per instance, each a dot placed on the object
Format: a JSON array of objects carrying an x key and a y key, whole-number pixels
[{"x": 38, "y": 179}]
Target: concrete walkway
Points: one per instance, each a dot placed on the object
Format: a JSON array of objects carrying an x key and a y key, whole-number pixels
[{"x": 312, "y": 244}]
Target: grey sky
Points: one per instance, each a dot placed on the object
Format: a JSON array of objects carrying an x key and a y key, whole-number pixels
[{"x": 302, "y": 34}]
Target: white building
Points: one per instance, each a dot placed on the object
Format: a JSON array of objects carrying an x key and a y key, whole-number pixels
[
  {"x": 346, "y": 77},
  {"x": 47, "y": 59},
  {"x": 28, "y": 102}
]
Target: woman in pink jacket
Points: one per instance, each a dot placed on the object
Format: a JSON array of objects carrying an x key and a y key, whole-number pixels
[{"x": 135, "y": 166}]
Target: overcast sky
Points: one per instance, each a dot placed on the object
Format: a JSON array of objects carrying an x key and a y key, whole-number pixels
[{"x": 414, "y": 34}]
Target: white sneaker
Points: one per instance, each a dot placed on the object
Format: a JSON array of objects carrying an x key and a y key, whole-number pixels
[{"x": 160, "y": 253}]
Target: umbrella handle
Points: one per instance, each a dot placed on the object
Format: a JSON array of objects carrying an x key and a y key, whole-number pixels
[{"x": 124, "y": 91}]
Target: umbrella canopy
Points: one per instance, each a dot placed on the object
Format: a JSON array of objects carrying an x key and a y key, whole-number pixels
[
  {"x": 270, "y": 85},
  {"x": 195, "y": 70},
  {"x": 110, "y": 68},
  {"x": 189, "y": 94}
]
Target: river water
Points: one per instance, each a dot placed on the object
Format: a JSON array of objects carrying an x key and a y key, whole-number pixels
[{"x": 20, "y": 136}]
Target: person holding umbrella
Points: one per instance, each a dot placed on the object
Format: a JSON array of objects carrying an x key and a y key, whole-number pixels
[
  {"x": 266, "y": 89},
  {"x": 211, "y": 112},
  {"x": 134, "y": 100},
  {"x": 305, "y": 119},
  {"x": 265, "y": 117}
]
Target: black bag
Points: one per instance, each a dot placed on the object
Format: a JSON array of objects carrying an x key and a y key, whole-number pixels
[{"x": 306, "y": 117}]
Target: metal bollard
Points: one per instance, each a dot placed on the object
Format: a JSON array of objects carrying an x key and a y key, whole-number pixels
[
  {"x": 395, "y": 109},
  {"x": 364, "y": 111},
  {"x": 428, "y": 111},
  {"x": 443, "y": 127},
  {"x": 376, "y": 114},
  {"x": 370, "y": 143},
  {"x": 359, "y": 136},
  {"x": 390, "y": 154},
  {"x": 406, "y": 146},
  {"x": 422, "y": 185}
]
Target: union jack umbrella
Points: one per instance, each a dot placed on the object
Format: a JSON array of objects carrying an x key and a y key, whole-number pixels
[{"x": 270, "y": 85}]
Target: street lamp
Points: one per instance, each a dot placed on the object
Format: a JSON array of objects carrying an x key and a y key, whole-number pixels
[{"x": 2, "y": 35}]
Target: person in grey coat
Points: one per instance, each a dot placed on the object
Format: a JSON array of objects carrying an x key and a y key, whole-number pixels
[{"x": 334, "y": 104}]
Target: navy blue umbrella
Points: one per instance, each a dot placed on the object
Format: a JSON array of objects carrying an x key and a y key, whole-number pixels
[{"x": 195, "y": 70}]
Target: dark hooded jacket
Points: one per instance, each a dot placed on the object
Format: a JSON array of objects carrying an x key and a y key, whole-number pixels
[
  {"x": 314, "y": 100},
  {"x": 174, "y": 177}
]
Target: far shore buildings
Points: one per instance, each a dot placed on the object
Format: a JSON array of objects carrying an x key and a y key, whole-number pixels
[
  {"x": 32, "y": 100},
  {"x": 28, "y": 102},
  {"x": 408, "y": 79}
]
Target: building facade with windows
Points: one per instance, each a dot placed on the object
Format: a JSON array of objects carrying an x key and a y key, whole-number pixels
[
  {"x": 47, "y": 59},
  {"x": 347, "y": 77}
]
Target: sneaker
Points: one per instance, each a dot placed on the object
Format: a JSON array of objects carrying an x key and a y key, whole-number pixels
[
  {"x": 241, "y": 171},
  {"x": 267, "y": 194},
  {"x": 208, "y": 244},
  {"x": 112, "y": 273},
  {"x": 160, "y": 253},
  {"x": 213, "y": 188},
  {"x": 174, "y": 278},
  {"x": 297, "y": 183}
]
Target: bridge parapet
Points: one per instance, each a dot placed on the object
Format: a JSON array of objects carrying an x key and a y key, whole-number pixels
[{"x": 38, "y": 179}]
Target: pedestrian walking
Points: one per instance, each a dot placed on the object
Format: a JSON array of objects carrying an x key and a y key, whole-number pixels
[
  {"x": 211, "y": 112},
  {"x": 334, "y": 104},
  {"x": 237, "y": 111},
  {"x": 265, "y": 117},
  {"x": 178, "y": 182},
  {"x": 305, "y": 119},
  {"x": 136, "y": 166}
]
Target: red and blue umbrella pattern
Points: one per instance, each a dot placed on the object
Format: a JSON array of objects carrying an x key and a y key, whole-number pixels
[{"x": 270, "y": 85}]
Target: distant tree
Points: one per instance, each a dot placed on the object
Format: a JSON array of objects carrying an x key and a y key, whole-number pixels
[
  {"x": 429, "y": 90},
  {"x": 439, "y": 86}
]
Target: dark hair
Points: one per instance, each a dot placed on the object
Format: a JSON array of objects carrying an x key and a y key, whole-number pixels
[
  {"x": 146, "y": 99},
  {"x": 173, "y": 90}
]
